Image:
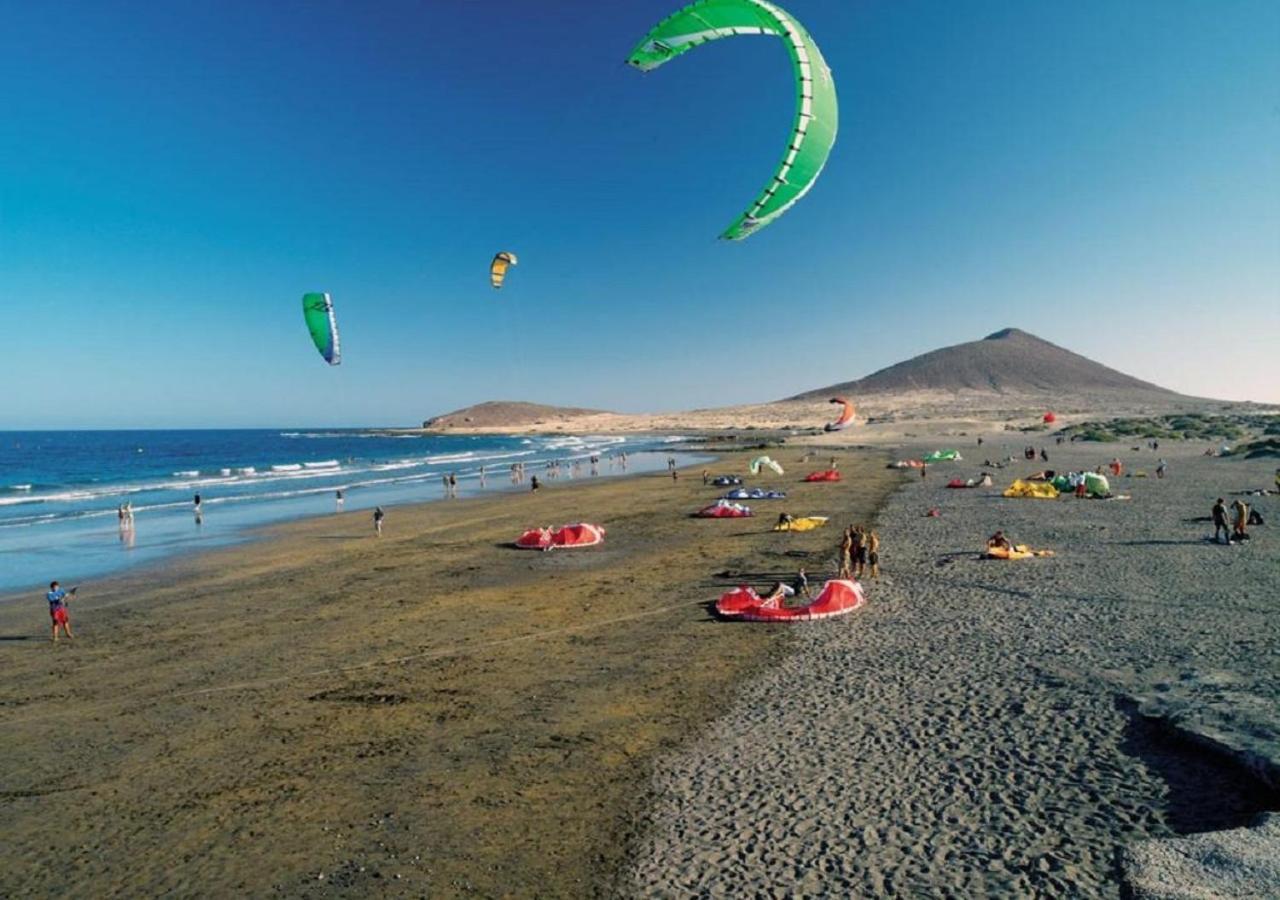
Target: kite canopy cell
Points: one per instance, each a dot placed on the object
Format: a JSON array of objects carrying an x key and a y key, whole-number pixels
[
  {"x": 317, "y": 309},
  {"x": 498, "y": 268},
  {"x": 813, "y": 132}
]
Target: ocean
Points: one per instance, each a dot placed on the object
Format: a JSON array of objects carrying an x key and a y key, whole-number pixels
[{"x": 60, "y": 491}]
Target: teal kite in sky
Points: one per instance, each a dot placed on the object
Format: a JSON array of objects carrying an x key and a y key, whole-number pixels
[
  {"x": 817, "y": 113},
  {"x": 323, "y": 325}
]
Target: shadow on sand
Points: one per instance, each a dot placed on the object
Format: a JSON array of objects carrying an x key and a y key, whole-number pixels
[{"x": 1205, "y": 792}]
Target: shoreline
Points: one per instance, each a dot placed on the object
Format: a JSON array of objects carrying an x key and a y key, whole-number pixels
[
  {"x": 490, "y": 710},
  {"x": 176, "y": 542}
]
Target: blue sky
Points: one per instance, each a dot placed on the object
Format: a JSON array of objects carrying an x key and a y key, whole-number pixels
[{"x": 1105, "y": 175}]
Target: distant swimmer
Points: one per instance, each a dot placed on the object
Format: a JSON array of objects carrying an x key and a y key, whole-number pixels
[
  {"x": 58, "y": 599},
  {"x": 378, "y": 516}
]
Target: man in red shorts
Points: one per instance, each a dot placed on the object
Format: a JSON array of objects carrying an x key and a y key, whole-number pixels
[{"x": 58, "y": 599}]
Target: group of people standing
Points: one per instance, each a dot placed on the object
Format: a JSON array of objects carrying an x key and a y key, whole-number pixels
[
  {"x": 859, "y": 553},
  {"x": 1234, "y": 528}
]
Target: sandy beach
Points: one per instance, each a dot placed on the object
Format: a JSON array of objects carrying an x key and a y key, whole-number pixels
[
  {"x": 432, "y": 713},
  {"x": 976, "y": 729}
]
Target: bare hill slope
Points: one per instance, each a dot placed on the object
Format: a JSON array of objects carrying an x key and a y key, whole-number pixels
[
  {"x": 504, "y": 414},
  {"x": 1009, "y": 362}
]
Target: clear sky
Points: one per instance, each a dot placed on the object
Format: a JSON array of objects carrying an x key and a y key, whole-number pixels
[{"x": 173, "y": 176}]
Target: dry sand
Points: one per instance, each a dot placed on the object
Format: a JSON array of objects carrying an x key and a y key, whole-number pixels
[
  {"x": 432, "y": 713},
  {"x": 974, "y": 730}
]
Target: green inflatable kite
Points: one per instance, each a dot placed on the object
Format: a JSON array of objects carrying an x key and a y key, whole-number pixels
[
  {"x": 817, "y": 113},
  {"x": 317, "y": 309}
]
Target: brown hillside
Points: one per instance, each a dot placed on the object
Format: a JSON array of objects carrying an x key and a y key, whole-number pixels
[
  {"x": 1009, "y": 362},
  {"x": 503, "y": 414}
]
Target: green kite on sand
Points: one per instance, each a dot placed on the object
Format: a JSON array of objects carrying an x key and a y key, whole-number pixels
[{"x": 817, "y": 113}]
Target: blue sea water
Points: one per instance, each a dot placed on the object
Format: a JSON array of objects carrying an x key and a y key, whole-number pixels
[{"x": 60, "y": 491}]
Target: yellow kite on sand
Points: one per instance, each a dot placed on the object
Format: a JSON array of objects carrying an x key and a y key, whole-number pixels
[
  {"x": 1034, "y": 490},
  {"x": 804, "y": 523},
  {"x": 1019, "y": 551}
]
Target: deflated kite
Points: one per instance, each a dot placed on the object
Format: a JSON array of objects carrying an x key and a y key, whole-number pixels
[
  {"x": 317, "y": 309},
  {"x": 845, "y": 419},
  {"x": 817, "y": 114},
  {"x": 498, "y": 268}
]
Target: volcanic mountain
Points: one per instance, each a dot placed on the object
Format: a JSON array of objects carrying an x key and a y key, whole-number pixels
[{"x": 1008, "y": 363}]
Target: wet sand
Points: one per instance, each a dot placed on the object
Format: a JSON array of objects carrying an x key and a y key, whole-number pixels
[
  {"x": 974, "y": 731},
  {"x": 430, "y": 713}
]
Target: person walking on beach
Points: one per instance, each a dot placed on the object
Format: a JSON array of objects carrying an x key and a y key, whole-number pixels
[
  {"x": 924, "y": 470},
  {"x": 58, "y": 599},
  {"x": 1161, "y": 468},
  {"x": 873, "y": 553},
  {"x": 378, "y": 516},
  {"x": 453, "y": 485},
  {"x": 859, "y": 551},
  {"x": 846, "y": 554},
  {"x": 1239, "y": 529},
  {"x": 1220, "y": 521}
]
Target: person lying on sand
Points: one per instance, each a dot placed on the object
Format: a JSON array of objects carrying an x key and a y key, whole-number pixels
[
  {"x": 998, "y": 540},
  {"x": 785, "y": 519},
  {"x": 782, "y": 590}
]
